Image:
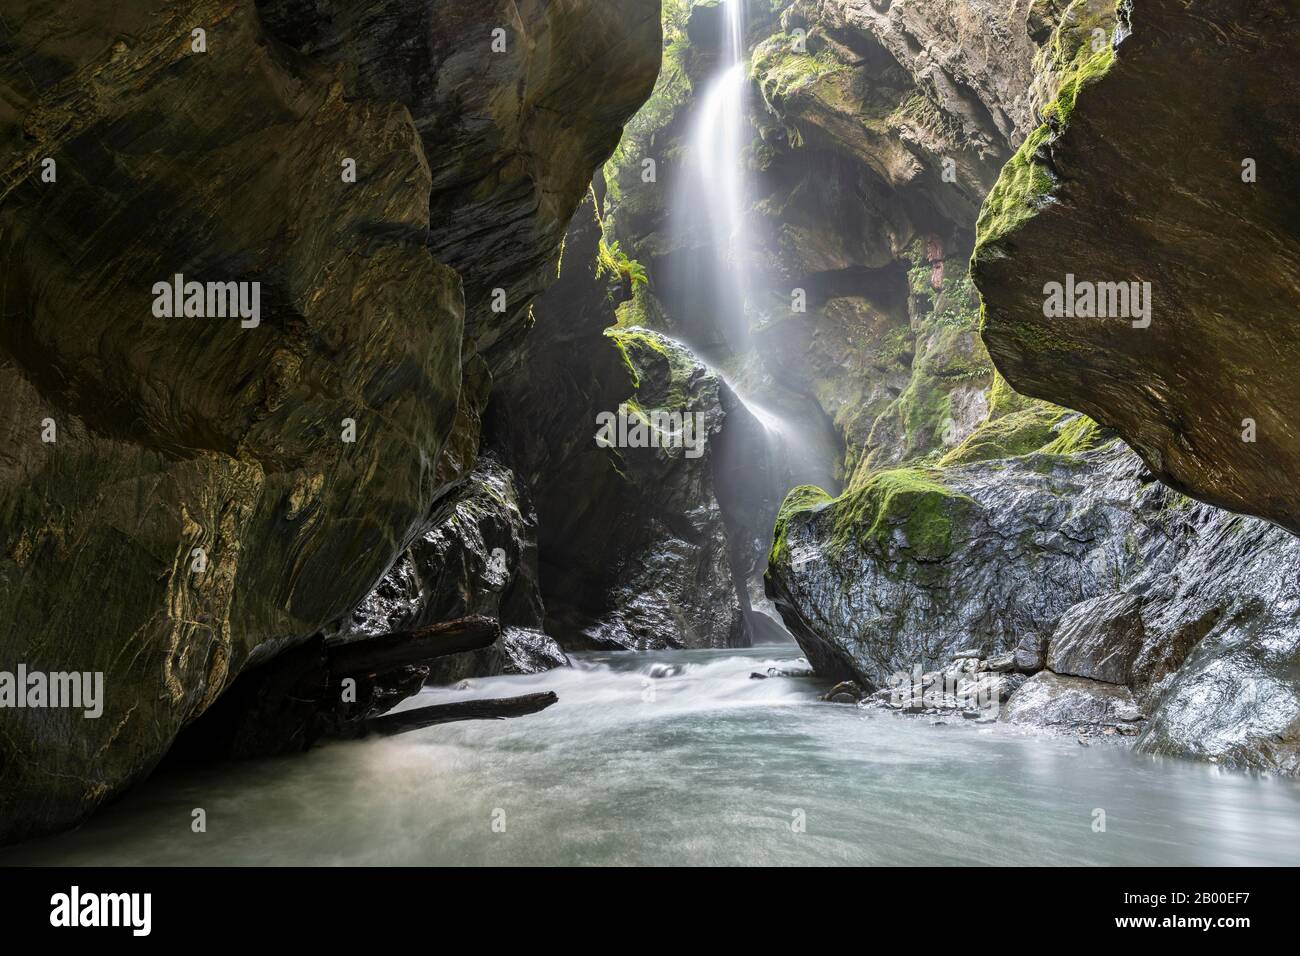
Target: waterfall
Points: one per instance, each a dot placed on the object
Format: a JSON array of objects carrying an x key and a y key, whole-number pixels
[
  {"x": 774, "y": 439},
  {"x": 713, "y": 199}
]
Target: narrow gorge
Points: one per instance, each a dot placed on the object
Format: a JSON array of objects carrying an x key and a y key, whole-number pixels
[{"x": 776, "y": 409}]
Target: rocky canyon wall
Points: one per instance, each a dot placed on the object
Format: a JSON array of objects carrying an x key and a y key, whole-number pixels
[
  {"x": 182, "y": 496},
  {"x": 1128, "y": 183},
  {"x": 1038, "y": 541}
]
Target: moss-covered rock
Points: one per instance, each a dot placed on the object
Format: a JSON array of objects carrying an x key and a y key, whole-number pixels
[
  {"x": 907, "y": 508},
  {"x": 868, "y": 163},
  {"x": 1008, "y": 436},
  {"x": 1193, "y": 202},
  {"x": 1079, "y": 54},
  {"x": 1183, "y": 613},
  {"x": 1038, "y": 427},
  {"x": 802, "y": 498}
]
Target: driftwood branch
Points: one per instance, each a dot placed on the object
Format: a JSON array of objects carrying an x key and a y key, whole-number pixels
[
  {"x": 490, "y": 709},
  {"x": 407, "y": 648},
  {"x": 296, "y": 699}
]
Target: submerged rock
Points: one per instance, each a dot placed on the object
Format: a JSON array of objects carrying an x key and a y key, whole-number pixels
[
  {"x": 845, "y": 692},
  {"x": 1072, "y": 704}
]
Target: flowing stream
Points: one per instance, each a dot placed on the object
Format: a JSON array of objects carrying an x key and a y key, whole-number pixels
[{"x": 681, "y": 758}]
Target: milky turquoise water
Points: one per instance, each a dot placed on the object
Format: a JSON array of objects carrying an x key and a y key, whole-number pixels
[{"x": 681, "y": 758}]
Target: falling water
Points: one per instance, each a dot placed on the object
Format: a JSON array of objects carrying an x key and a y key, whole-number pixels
[
  {"x": 784, "y": 439},
  {"x": 712, "y": 201},
  {"x": 712, "y": 210}
]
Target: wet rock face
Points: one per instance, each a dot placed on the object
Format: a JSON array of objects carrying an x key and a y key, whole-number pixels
[
  {"x": 1133, "y": 185},
  {"x": 512, "y": 131},
  {"x": 1128, "y": 593},
  {"x": 1098, "y": 639},
  {"x": 184, "y": 433},
  {"x": 1072, "y": 704},
  {"x": 877, "y": 130},
  {"x": 477, "y": 555},
  {"x": 198, "y": 503},
  {"x": 973, "y": 62},
  {"x": 634, "y": 546},
  {"x": 665, "y": 580},
  {"x": 917, "y": 566},
  {"x": 1218, "y": 669}
]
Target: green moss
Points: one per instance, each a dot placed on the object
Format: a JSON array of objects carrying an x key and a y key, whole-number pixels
[
  {"x": 781, "y": 72},
  {"x": 671, "y": 92},
  {"x": 1018, "y": 426},
  {"x": 665, "y": 373},
  {"x": 923, "y": 408},
  {"x": 954, "y": 354},
  {"x": 920, "y": 110},
  {"x": 1009, "y": 436},
  {"x": 1087, "y": 70},
  {"x": 1017, "y": 195},
  {"x": 958, "y": 303},
  {"x": 632, "y": 373},
  {"x": 911, "y": 499},
  {"x": 638, "y": 340},
  {"x": 802, "y": 498},
  {"x": 918, "y": 281},
  {"x": 1003, "y": 399},
  {"x": 630, "y": 313},
  {"x": 896, "y": 344},
  {"x": 1075, "y": 436},
  {"x": 620, "y": 271},
  {"x": 1037, "y": 336},
  {"x": 1024, "y": 183}
]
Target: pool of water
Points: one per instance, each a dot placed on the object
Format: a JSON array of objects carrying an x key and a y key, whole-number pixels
[{"x": 681, "y": 758}]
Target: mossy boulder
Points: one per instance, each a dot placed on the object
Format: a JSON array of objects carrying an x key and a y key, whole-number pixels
[
  {"x": 1184, "y": 612},
  {"x": 1126, "y": 183},
  {"x": 904, "y": 509},
  {"x": 1039, "y": 427}
]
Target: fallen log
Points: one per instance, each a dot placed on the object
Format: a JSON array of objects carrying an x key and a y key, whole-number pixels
[
  {"x": 321, "y": 690},
  {"x": 390, "y": 652},
  {"x": 498, "y": 708}
]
